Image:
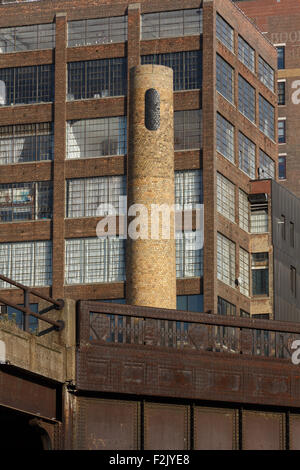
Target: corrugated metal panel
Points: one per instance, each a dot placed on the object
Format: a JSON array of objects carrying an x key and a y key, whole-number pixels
[
  {"x": 287, "y": 306},
  {"x": 106, "y": 424},
  {"x": 215, "y": 429},
  {"x": 166, "y": 427},
  {"x": 263, "y": 431}
]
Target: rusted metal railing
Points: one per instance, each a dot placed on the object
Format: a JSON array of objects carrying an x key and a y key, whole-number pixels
[
  {"x": 27, "y": 291},
  {"x": 161, "y": 328}
]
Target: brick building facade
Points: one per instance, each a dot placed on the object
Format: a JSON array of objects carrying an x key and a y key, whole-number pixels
[{"x": 279, "y": 22}]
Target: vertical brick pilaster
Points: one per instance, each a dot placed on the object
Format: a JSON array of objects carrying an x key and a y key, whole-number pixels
[
  {"x": 59, "y": 155},
  {"x": 209, "y": 156}
]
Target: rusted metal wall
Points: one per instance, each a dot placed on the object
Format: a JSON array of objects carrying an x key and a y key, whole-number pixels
[
  {"x": 132, "y": 425},
  {"x": 215, "y": 428},
  {"x": 106, "y": 424},
  {"x": 166, "y": 427}
]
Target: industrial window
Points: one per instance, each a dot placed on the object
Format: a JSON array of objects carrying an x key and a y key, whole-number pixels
[
  {"x": 259, "y": 214},
  {"x": 293, "y": 277},
  {"x": 244, "y": 279},
  {"x": 186, "y": 65},
  {"x": 97, "y": 31},
  {"x": 292, "y": 234},
  {"x": 225, "y": 138},
  {"x": 243, "y": 211},
  {"x": 16, "y": 316},
  {"x": 188, "y": 187},
  {"x": 246, "y": 155},
  {"x": 259, "y": 221},
  {"x": 26, "y": 143},
  {"x": 189, "y": 260},
  {"x": 266, "y": 166},
  {"x": 25, "y": 201},
  {"x": 97, "y": 78},
  {"x": 225, "y": 79},
  {"x": 282, "y": 167},
  {"x": 167, "y": 24},
  {"x": 280, "y": 57},
  {"x": 281, "y": 131},
  {"x": 246, "y": 99},
  {"x": 246, "y": 54},
  {"x": 190, "y": 303},
  {"x": 26, "y": 85},
  {"x": 283, "y": 227},
  {"x": 225, "y": 197},
  {"x": 29, "y": 263},
  {"x": 266, "y": 73},
  {"x": 281, "y": 93},
  {"x": 260, "y": 274},
  {"x": 90, "y": 260},
  {"x": 96, "y": 137},
  {"x": 226, "y": 308},
  {"x": 27, "y": 38},
  {"x": 266, "y": 117},
  {"x": 224, "y": 32},
  {"x": 226, "y": 260},
  {"x": 84, "y": 195},
  {"x": 188, "y": 129}
]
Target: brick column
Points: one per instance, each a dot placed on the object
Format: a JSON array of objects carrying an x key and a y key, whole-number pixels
[
  {"x": 209, "y": 156},
  {"x": 58, "y": 230}
]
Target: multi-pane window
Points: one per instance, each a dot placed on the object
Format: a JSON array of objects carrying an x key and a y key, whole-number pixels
[
  {"x": 280, "y": 57},
  {"x": 225, "y": 197},
  {"x": 266, "y": 73},
  {"x": 26, "y": 85},
  {"x": 266, "y": 117},
  {"x": 188, "y": 129},
  {"x": 259, "y": 219},
  {"x": 97, "y": 78},
  {"x": 226, "y": 260},
  {"x": 246, "y": 54},
  {"x": 91, "y": 260},
  {"x": 244, "y": 279},
  {"x": 97, "y": 31},
  {"x": 190, "y": 303},
  {"x": 18, "y": 317},
  {"x": 281, "y": 131},
  {"x": 96, "y": 137},
  {"x": 260, "y": 274},
  {"x": 246, "y": 99},
  {"x": 167, "y": 24},
  {"x": 189, "y": 260},
  {"x": 226, "y": 308},
  {"x": 26, "y": 143},
  {"x": 246, "y": 155},
  {"x": 25, "y": 201},
  {"x": 29, "y": 263},
  {"x": 225, "y": 79},
  {"x": 224, "y": 32},
  {"x": 266, "y": 166},
  {"x": 225, "y": 138},
  {"x": 282, "y": 167},
  {"x": 84, "y": 195},
  {"x": 27, "y": 38},
  {"x": 293, "y": 280},
  {"x": 188, "y": 187},
  {"x": 186, "y": 65},
  {"x": 243, "y": 211},
  {"x": 281, "y": 93}
]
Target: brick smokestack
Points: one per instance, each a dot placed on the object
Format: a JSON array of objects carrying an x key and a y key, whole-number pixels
[{"x": 151, "y": 263}]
